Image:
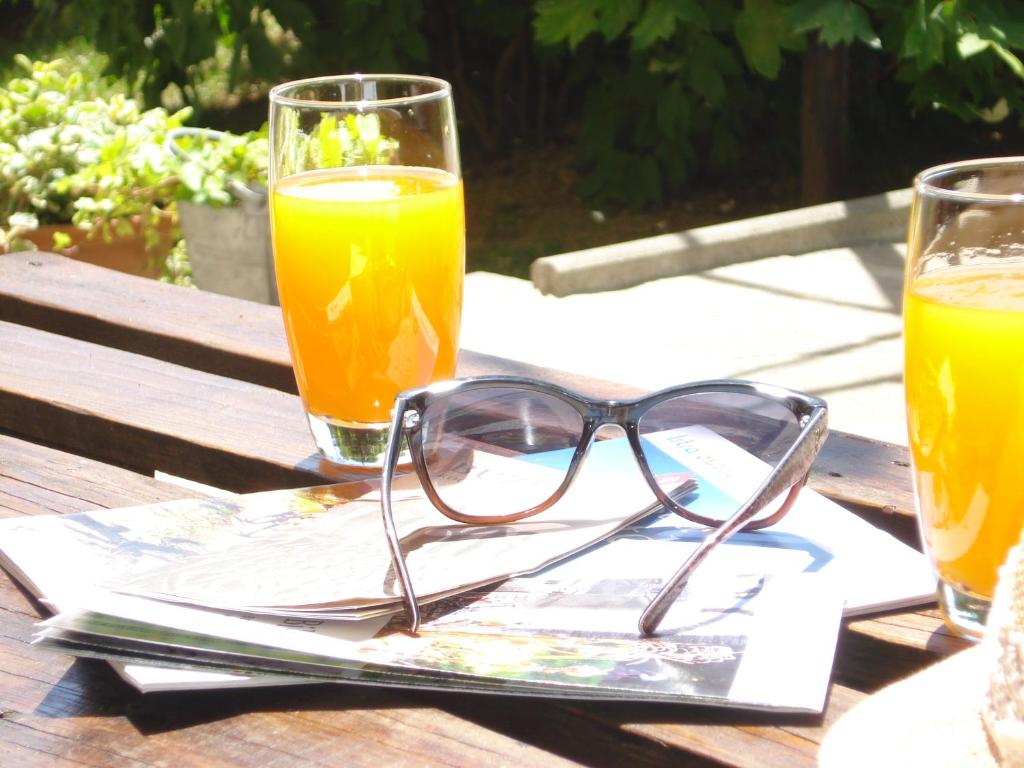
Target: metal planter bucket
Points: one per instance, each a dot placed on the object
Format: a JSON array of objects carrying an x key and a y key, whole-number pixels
[{"x": 228, "y": 248}]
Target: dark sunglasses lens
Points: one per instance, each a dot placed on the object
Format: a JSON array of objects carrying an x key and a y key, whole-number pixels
[
  {"x": 727, "y": 442},
  {"x": 498, "y": 451}
]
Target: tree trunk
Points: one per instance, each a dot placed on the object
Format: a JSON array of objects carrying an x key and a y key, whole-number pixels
[{"x": 823, "y": 124}]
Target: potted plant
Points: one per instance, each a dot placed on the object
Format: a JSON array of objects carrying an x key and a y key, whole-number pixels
[
  {"x": 222, "y": 209},
  {"x": 82, "y": 169},
  {"x": 222, "y": 197}
]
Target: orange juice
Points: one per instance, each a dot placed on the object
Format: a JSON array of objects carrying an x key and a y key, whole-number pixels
[
  {"x": 965, "y": 394},
  {"x": 369, "y": 266}
]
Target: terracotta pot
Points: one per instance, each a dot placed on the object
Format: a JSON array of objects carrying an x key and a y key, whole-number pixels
[{"x": 125, "y": 253}]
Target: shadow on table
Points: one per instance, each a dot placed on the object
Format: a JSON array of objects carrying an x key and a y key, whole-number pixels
[{"x": 90, "y": 688}]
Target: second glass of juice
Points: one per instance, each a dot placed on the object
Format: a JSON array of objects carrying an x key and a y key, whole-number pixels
[
  {"x": 964, "y": 375},
  {"x": 368, "y": 230}
]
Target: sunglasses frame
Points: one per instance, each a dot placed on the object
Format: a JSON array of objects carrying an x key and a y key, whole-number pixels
[{"x": 789, "y": 474}]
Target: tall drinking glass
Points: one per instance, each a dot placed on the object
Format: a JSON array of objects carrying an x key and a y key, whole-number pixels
[
  {"x": 964, "y": 334},
  {"x": 368, "y": 229}
]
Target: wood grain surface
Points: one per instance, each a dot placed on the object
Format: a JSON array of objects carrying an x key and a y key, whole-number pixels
[
  {"x": 245, "y": 342},
  {"x": 201, "y": 330},
  {"x": 57, "y": 709},
  {"x": 105, "y": 378}
]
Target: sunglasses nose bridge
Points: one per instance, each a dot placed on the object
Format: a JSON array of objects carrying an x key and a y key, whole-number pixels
[{"x": 612, "y": 413}]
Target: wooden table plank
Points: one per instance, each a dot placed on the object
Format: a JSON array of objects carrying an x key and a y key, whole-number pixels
[
  {"x": 61, "y": 688},
  {"x": 202, "y": 330},
  {"x": 739, "y": 747},
  {"x": 145, "y": 414},
  {"x": 732, "y": 737},
  {"x": 86, "y": 717},
  {"x": 129, "y": 392},
  {"x": 135, "y": 411},
  {"x": 198, "y": 329},
  {"x": 55, "y": 709},
  {"x": 244, "y": 340},
  {"x": 36, "y": 480},
  {"x": 922, "y": 629},
  {"x": 863, "y": 471}
]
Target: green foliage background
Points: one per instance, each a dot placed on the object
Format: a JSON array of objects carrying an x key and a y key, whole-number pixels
[{"x": 654, "y": 95}]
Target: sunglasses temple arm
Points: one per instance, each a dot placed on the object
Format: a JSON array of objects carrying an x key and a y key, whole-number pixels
[
  {"x": 794, "y": 466},
  {"x": 394, "y": 448}
]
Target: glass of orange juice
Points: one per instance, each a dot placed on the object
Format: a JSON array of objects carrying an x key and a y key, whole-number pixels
[
  {"x": 368, "y": 230},
  {"x": 964, "y": 335}
]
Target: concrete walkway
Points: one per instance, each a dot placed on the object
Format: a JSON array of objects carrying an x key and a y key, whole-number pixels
[{"x": 826, "y": 322}]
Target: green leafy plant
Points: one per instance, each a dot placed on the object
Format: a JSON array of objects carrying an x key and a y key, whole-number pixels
[
  {"x": 13, "y": 235},
  {"x": 956, "y": 55},
  {"x": 680, "y": 82},
  {"x": 73, "y": 152},
  {"x": 78, "y": 151},
  {"x": 156, "y": 43},
  {"x": 209, "y": 166},
  {"x": 333, "y": 143},
  {"x": 669, "y": 96},
  {"x": 656, "y": 94}
]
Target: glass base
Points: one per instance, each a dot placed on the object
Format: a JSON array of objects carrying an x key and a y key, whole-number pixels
[
  {"x": 352, "y": 444},
  {"x": 965, "y": 614}
]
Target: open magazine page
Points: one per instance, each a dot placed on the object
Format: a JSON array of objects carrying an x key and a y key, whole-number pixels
[
  {"x": 748, "y": 641},
  {"x": 314, "y": 544},
  {"x": 59, "y": 556},
  {"x": 338, "y": 564},
  {"x": 873, "y": 570},
  {"x": 304, "y": 550}
]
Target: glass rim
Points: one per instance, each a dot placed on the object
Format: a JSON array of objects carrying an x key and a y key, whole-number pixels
[
  {"x": 279, "y": 93},
  {"x": 926, "y": 182}
]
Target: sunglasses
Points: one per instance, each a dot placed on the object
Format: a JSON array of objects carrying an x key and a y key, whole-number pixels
[{"x": 463, "y": 434}]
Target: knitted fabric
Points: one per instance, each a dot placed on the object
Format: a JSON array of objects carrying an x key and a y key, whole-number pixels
[{"x": 1003, "y": 711}]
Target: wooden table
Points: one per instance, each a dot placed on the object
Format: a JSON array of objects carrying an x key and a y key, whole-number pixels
[{"x": 105, "y": 378}]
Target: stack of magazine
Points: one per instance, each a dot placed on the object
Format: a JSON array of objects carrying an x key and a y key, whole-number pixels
[{"x": 297, "y": 586}]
